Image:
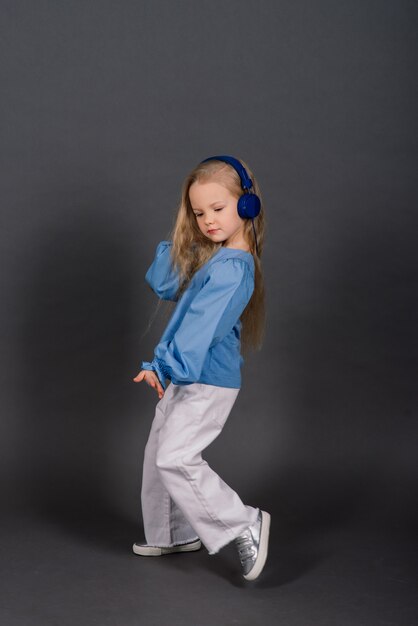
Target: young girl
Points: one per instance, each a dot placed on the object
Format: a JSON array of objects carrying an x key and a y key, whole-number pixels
[{"x": 210, "y": 267}]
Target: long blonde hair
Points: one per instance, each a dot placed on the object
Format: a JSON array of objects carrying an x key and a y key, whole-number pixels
[{"x": 191, "y": 249}]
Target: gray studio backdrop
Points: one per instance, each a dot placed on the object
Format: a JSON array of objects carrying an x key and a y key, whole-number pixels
[{"x": 105, "y": 107}]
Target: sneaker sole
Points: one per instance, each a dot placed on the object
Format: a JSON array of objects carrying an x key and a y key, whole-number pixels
[
  {"x": 263, "y": 547},
  {"x": 160, "y": 551}
]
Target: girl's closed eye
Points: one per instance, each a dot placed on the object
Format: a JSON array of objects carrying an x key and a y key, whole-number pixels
[{"x": 200, "y": 214}]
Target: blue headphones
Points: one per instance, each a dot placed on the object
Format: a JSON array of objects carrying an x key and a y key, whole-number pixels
[{"x": 249, "y": 204}]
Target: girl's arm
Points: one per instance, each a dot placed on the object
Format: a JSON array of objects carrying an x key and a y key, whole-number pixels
[
  {"x": 211, "y": 316},
  {"x": 161, "y": 275}
]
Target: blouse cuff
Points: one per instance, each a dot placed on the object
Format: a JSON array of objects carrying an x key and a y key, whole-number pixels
[{"x": 158, "y": 366}]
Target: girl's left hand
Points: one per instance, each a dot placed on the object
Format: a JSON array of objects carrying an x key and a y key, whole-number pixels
[{"x": 152, "y": 379}]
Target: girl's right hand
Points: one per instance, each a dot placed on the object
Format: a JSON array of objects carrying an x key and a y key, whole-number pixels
[{"x": 152, "y": 379}]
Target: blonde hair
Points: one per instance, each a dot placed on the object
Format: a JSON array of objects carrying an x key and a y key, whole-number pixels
[{"x": 191, "y": 249}]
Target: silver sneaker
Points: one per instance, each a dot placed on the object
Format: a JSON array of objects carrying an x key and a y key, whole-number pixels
[
  {"x": 252, "y": 546},
  {"x": 145, "y": 550}
]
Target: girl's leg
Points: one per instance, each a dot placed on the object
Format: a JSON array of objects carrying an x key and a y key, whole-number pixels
[
  {"x": 164, "y": 523},
  {"x": 194, "y": 416}
]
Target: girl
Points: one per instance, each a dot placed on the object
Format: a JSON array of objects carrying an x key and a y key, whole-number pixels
[{"x": 210, "y": 267}]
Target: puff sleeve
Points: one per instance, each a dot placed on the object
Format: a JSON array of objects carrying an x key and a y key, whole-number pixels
[
  {"x": 161, "y": 275},
  {"x": 211, "y": 315}
]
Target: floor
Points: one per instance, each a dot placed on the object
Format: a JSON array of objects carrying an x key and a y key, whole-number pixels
[{"x": 69, "y": 569}]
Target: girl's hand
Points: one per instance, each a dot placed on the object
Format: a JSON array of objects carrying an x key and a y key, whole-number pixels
[{"x": 152, "y": 379}]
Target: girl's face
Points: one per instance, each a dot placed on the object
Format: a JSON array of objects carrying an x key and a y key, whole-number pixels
[{"x": 216, "y": 213}]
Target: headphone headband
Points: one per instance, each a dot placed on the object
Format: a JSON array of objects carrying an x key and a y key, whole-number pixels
[{"x": 246, "y": 181}]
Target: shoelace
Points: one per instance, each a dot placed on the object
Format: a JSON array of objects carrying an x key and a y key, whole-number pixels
[{"x": 244, "y": 545}]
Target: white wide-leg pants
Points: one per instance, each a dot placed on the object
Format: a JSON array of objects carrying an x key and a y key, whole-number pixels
[{"x": 182, "y": 497}]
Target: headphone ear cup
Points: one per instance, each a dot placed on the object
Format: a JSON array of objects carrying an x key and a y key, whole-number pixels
[{"x": 249, "y": 205}]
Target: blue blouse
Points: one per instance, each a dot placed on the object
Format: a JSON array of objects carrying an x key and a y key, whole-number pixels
[{"x": 201, "y": 342}]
